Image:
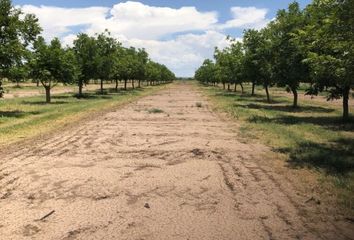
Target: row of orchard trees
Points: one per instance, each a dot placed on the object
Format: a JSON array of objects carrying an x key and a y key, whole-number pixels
[
  {"x": 24, "y": 54},
  {"x": 313, "y": 45}
]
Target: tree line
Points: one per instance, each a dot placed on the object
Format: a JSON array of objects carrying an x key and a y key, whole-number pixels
[
  {"x": 314, "y": 45},
  {"x": 24, "y": 54}
]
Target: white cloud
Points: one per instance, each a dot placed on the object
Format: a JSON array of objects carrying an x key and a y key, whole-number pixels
[
  {"x": 140, "y": 25},
  {"x": 134, "y": 19},
  {"x": 183, "y": 54},
  {"x": 247, "y": 17},
  {"x": 56, "y": 22}
]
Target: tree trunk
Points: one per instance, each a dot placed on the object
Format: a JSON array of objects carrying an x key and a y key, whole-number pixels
[
  {"x": 223, "y": 86},
  {"x": 138, "y": 83},
  {"x": 133, "y": 83},
  {"x": 235, "y": 88},
  {"x": 47, "y": 94},
  {"x": 294, "y": 90},
  {"x": 101, "y": 86},
  {"x": 346, "y": 103},
  {"x": 267, "y": 92},
  {"x": 37, "y": 83},
  {"x": 116, "y": 85},
  {"x": 1, "y": 89},
  {"x": 228, "y": 87},
  {"x": 125, "y": 84},
  {"x": 253, "y": 86},
  {"x": 241, "y": 88},
  {"x": 80, "y": 88}
]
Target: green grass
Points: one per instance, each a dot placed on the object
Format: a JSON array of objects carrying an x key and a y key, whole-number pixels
[
  {"x": 22, "y": 118},
  {"x": 311, "y": 136}
]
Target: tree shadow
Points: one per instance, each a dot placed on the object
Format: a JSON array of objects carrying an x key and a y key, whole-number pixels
[
  {"x": 330, "y": 122},
  {"x": 61, "y": 97},
  {"x": 17, "y": 113},
  {"x": 273, "y": 100},
  {"x": 286, "y": 108},
  {"x": 248, "y": 97},
  {"x": 44, "y": 103},
  {"x": 336, "y": 157},
  {"x": 89, "y": 96},
  {"x": 227, "y": 94}
]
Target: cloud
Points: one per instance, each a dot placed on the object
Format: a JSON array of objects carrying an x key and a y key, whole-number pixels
[
  {"x": 134, "y": 19},
  {"x": 180, "y": 38},
  {"x": 56, "y": 22},
  {"x": 183, "y": 54},
  {"x": 247, "y": 17}
]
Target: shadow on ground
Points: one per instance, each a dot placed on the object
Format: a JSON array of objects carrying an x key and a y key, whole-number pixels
[
  {"x": 17, "y": 113},
  {"x": 335, "y": 157},
  {"x": 285, "y": 108}
]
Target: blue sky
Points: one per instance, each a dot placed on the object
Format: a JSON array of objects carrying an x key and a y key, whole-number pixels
[{"x": 178, "y": 33}]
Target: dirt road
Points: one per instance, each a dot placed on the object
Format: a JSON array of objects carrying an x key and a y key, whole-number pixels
[{"x": 137, "y": 174}]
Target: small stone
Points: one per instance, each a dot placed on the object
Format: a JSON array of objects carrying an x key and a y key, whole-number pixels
[{"x": 146, "y": 205}]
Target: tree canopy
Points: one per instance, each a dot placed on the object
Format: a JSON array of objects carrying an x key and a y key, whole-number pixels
[{"x": 312, "y": 45}]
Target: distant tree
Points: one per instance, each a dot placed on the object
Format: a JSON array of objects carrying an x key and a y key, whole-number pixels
[
  {"x": 229, "y": 61},
  {"x": 85, "y": 50},
  {"x": 18, "y": 73},
  {"x": 105, "y": 58},
  {"x": 141, "y": 61},
  {"x": 252, "y": 40},
  {"x": 52, "y": 64},
  {"x": 206, "y": 72},
  {"x": 258, "y": 54}
]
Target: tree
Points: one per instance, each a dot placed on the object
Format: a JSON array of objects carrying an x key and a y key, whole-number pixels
[
  {"x": 229, "y": 61},
  {"x": 206, "y": 72},
  {"x": 16, "y": 35},
  {"x": 258, "y": 52},
  {"x": 85, "y": 50},
  {"x": 155, "y": 72},
  {"x": 288, "y": 67},
  {"x": 106, "y": 51},
  {"x": 251, "y": 42},
  {"x": 141, "y": 61},
  {"x": 52, "y": 64},
  {"x": 18, "y": 73},
  {"x": 328, "y": 39}
]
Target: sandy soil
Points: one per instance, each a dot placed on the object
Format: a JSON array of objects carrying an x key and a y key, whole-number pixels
[{"x": 130, "y": 174}]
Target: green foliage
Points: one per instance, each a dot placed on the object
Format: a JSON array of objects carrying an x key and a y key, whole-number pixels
[
  {"x": 17, "y": 32},
  {"x": 86, "y": 53},
  {"x": 52, "y": 64},
  {"x": 328, "y": 40},
  {"x": 313, "y": 45},
  {"x": 229, "y": 61},
  {"x": 258, "y": 55},
  {"x": 23, "y": 54}
]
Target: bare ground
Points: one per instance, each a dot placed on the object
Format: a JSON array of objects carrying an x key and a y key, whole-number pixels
[{"x": 183, "y": 173}]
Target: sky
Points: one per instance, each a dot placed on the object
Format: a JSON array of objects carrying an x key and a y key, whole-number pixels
[{"x": 177, "y": 33}]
